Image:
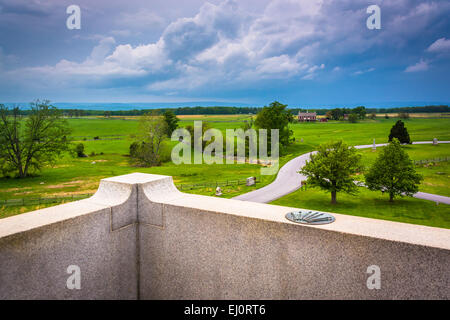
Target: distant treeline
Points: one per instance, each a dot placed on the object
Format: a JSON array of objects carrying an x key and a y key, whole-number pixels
[
  {"x": 424, "y": 109},
  {"x": 239, "y": 110}
]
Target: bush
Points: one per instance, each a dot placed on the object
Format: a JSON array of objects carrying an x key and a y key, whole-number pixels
[
  {"x": 386, "y": 116},
  {"x": 134, "y": 150},
  {"x": 97, "y": 138},
  {"x": 403, "y": 115}
]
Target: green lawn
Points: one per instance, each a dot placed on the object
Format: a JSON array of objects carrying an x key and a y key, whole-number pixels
[
  {"x": 376, "y": 205},
  {"x": 365, "y": 131},
  {"x": 81, "y": 175},
  {"x": 436, "y": 174},
  {"x": 372, "y": 204}
]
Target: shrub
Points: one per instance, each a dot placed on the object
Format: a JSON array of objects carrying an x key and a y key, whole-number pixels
[{"x": 79, "y": 149}]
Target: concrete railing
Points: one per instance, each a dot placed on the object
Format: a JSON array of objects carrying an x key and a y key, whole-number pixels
[{"x": 138, "y": 237}]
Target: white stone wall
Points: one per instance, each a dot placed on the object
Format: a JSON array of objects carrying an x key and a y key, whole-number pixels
[{"x": 140, "y": 238}]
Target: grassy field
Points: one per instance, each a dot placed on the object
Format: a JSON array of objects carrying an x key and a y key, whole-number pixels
[
  {"x": 82, "y": 175},
  {"x": 436, "y": 174},
  {"x": 372, "y": 204},
  {"x": 376, "y": 205}
]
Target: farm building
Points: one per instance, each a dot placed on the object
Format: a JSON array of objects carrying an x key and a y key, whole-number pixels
[{"x": 307, "y": 116}]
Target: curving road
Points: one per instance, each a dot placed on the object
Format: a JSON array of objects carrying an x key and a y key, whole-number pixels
[{"x": 289, "y": 180}]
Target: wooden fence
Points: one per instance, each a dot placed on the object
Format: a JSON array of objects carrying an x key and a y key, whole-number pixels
[
  {"x": 38, "y": 201},
  {"x": 439, "y": 159},
  {"x": 215, "y": 184}
]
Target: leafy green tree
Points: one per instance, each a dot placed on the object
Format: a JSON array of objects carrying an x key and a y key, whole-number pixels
[
  {"x": 353, "y": 118},
  {"x": 171, "y": 120},
  {"x": 205, "y": 126},
  {"x": 393, "y": 172},
  {"x": 275, "y": 116},
  {"x": 400, "y": 132},
  {"x": 332, "y": 168},
  {"x": 337, "y": 113},
  {"x": 150, "y": 149},
  {"x": 360, "y": 111},
  {"x": 29, "y": 143}
]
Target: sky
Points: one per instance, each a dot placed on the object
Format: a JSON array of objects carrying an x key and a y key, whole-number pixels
[{"x": 249, "y": 52}]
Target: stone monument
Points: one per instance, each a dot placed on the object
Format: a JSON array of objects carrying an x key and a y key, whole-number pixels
[
  {"x": 218, "y": 191},
  {"x": 251, "y": 181}
]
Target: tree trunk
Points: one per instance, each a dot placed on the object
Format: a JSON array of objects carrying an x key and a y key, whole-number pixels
[
  {"x": 391, "y": 197},
  {"x": 333, "y": 197},
  {"x": 21, "y": 171}
]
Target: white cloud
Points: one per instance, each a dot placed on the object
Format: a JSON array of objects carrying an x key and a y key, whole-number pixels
[
  {"x": 102, "y": 50},
  {"x": 363, "y": 71},
  {"x": 422, "y": 65},
  {"x": 224, "y": 45},
  {"x": 440, "y": 45}
]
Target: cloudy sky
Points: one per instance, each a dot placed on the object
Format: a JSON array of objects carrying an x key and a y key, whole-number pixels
[{"x": 301, "y": 52}]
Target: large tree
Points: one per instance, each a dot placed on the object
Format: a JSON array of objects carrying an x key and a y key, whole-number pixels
[
  {"x": 400, "y": 132},
  {"x": 275, "y": 116},
  {"x": 360, "y": 111},
  {"x": 29, "y": 143},
  {"x": 171, "y": 120},
  {"x": 393, "y": 172},
  {"x": 332, "y": 168},
  {"x": 149, "y": 149},
  {"x": 337, "y": 113}
]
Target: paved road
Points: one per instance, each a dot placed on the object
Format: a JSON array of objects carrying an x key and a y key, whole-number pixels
[{"x": 289, "y": 180}]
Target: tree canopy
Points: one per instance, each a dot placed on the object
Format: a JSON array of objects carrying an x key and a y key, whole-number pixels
[
  {"x": 393, "y": 172},
  {"x": 171, "y": 120},
  {"x": 399, "y": 132},
  {"x": 275, "y": 116},
  {"x": 29, "y": 143},
  {"x": 150, "y": 149},
  {"x": 332, "y": 168}
]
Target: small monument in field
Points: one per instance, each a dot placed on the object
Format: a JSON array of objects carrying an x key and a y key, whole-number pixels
[
  {"x": 435, "y": 142},
  {"x": 218, "y": 191},
  {"x": 251, "y": 181},
  {"x": 374, "y": 146}
]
